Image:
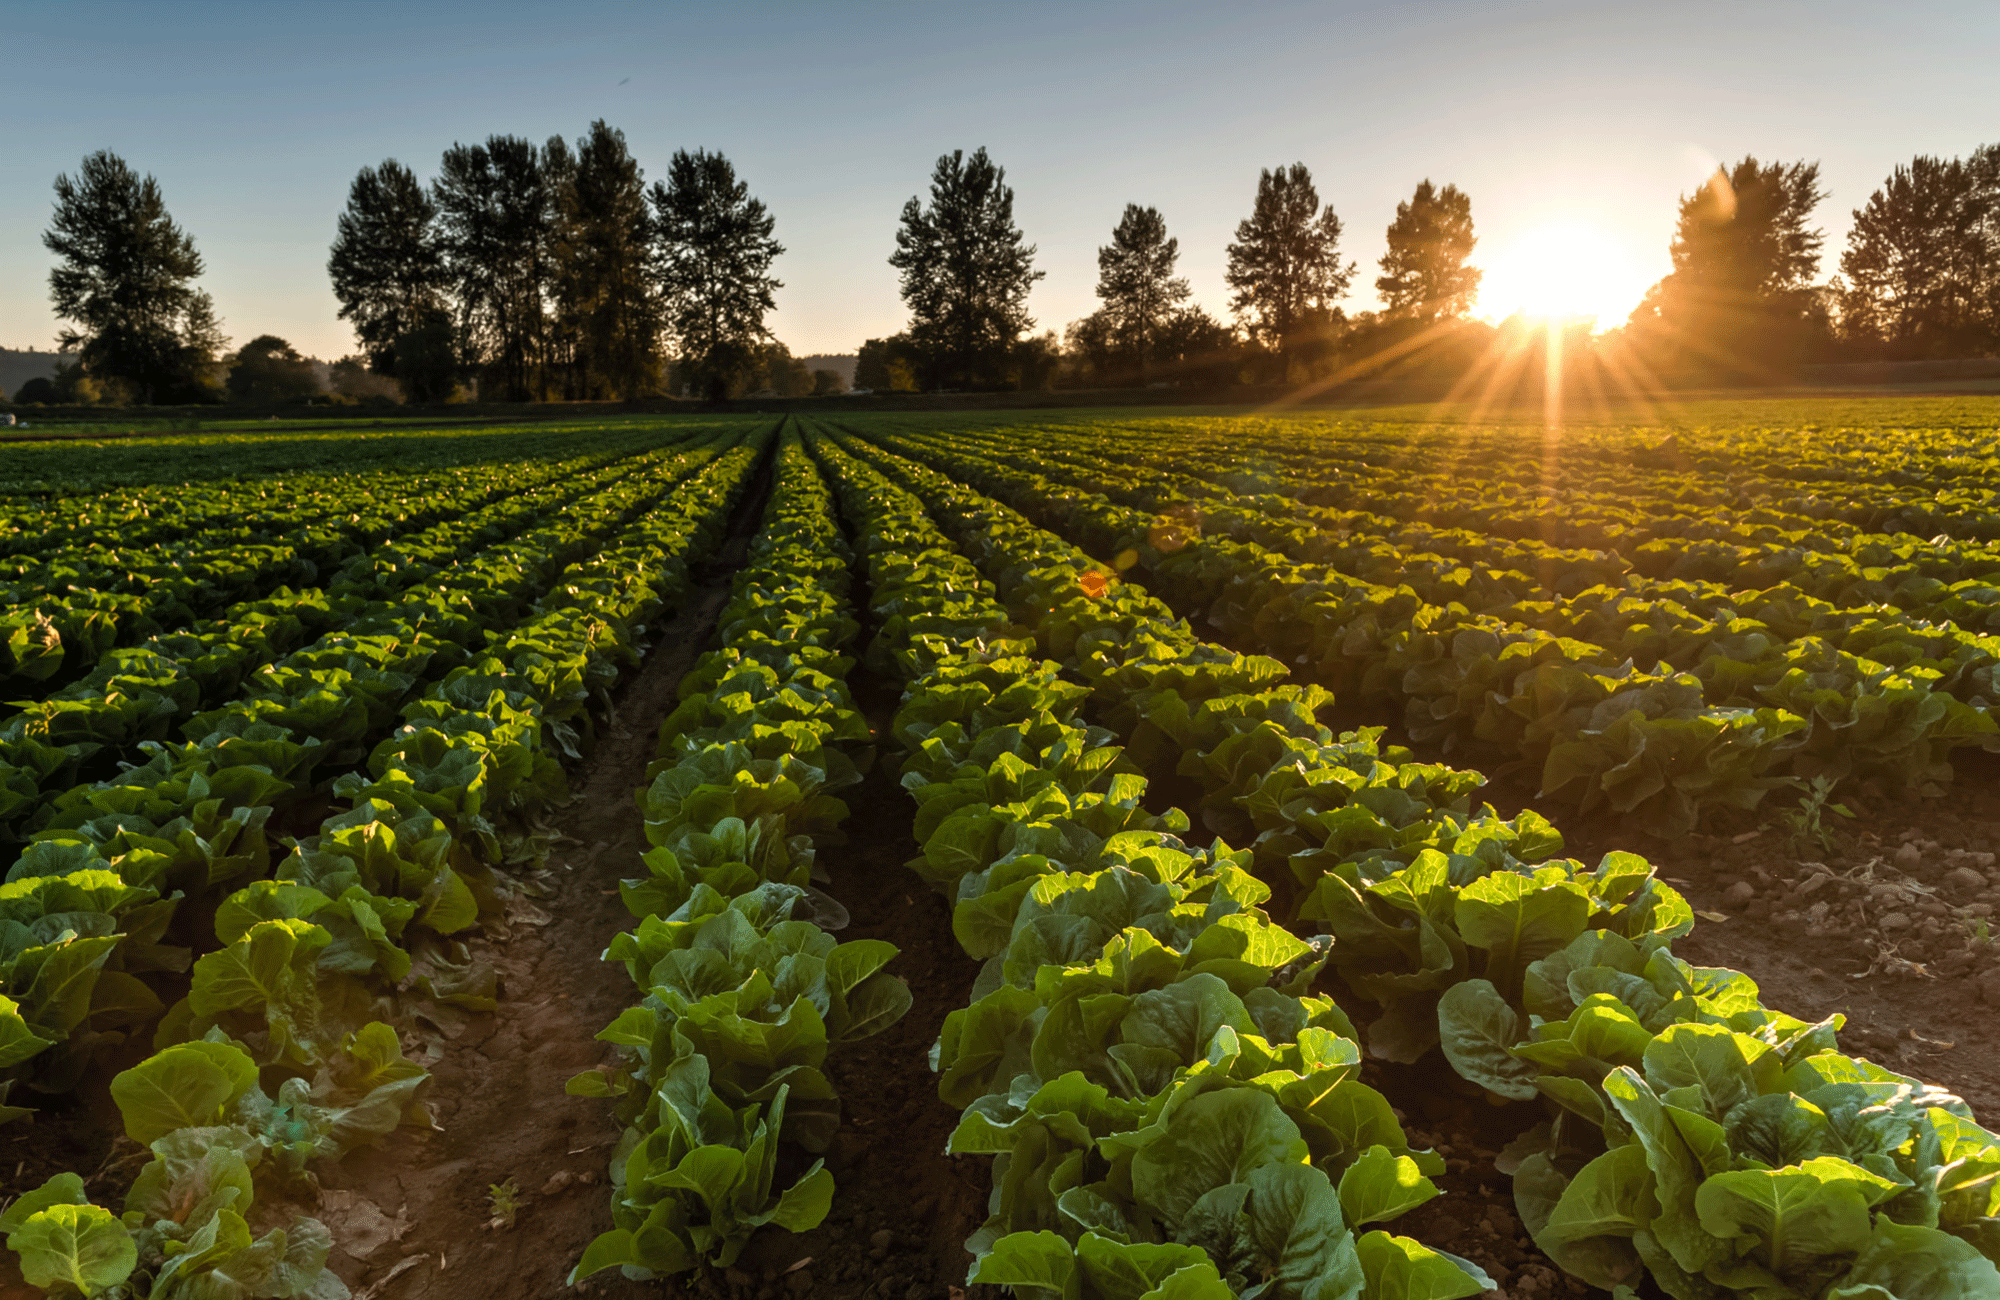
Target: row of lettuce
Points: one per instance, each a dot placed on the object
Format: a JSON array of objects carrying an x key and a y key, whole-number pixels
[
  {"x": 265, "y": 661},
  {"x": 72, "y": 596},
  {"x": 188, "y": 824},
  {"x": 1686, "y": 1133},
  {"x": 743, "y": 987},
  {"x": 1871, "y": 492},
  {"x": 286, "y": 1049},
  {"x": 1732, "y": 708},
  {"x": 1170, "y": 1112}
]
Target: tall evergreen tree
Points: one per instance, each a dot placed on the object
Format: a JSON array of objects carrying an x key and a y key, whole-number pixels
[
  {"x": 495, "y": 213},
  {"x": 966, "y": 272},
  {"x": 1135, "y": 278},
  {"x": 1285, "y": 265},
  {"x": 1424, "y": 275},
  {"x": 1740, "y": 295},
  {"x": 388, "y": 271},
  {"x": 715, "y": 253},
  {"x": 603, "y": 283},
  {"x": 1922, "y": 262},
  {"x": 126, "y": 279}
]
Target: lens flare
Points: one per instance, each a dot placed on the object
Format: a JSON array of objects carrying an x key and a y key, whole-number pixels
[{"x": 1563, "y": 271}]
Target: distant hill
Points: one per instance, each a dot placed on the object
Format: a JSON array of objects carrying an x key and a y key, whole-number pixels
[
  {"x": 842, "y": 364},
  {"x": 17, "y": 368}
]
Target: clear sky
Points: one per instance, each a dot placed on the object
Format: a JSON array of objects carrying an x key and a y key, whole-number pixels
[{"x": 1573, "y": 126}]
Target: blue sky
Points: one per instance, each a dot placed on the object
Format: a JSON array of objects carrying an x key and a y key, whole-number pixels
[{"x": 1590, "y": 117}]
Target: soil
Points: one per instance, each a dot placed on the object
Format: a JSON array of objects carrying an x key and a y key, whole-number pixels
[
  {"x": 1886, "y": 921},
  {"x": 416, "y": 1217},
  {"x": 1475, "y": 1215}
]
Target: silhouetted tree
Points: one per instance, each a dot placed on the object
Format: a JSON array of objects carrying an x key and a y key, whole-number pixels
[
  {"x": 886, "y": 365},
  {"x": 1922, "y": 262},
  {"x": 715, "y": 250},
  {"x": 966, "y": 271},
  {"x": 602, "y": 279},
  {"x": 388, "y": 272},
  {"x": 1195, "y": 348},
  {"x": 268, "y": 369},
  {"x": 1135, "y": 278},
  {"x": 1424, "y": 275},
  {"x": 1035, "y": 361},
  {"x": 780, "y": 371},
  {"x": 1091, "y": 349},
  {"x": 495, "y": 215},
  {"x": 1285, "y": 265},
  {"x": 1740, "y": 296},
  {"x": 827, "y": 383},
  {"x": 126, "y": 278},
  {"x": 38, "y": 391}
]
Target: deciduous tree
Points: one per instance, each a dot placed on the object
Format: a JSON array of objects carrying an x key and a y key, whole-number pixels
[
  {"x": 603, "y": 280},
  {"x": 495, "y": 219},
  {"x": 886, "y": 365},
  {"x": 1135, "y": 278},
  {"x": 715, "y": 248},
  {"x": 268, "y": 369},
  {"x": 126, "y": 279},
  {"x": 388, "y": 271},
  {"x": 1740, "y": 295},
  {"x": 1922, "y": 262},
  {"x": 966, "y": 272},
  {"x": 1424, "y": 275},
  {"x": 1285, "y": 266}
]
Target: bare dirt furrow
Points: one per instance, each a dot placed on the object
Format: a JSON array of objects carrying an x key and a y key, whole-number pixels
[{"x": 416, "y": 1219}]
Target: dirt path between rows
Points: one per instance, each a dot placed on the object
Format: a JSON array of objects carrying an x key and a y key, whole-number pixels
[{"x": 414, "y": 1218}]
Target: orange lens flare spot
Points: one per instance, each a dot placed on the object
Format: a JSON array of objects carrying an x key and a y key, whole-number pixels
[{"x": 1094, "y": 584}]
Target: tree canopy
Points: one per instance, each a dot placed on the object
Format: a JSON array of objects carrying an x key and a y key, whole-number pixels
[
  {"x": 388, "y": 270},
  {"x": 1135, "y": 278},
  {"x": 1284, "y": 266},
  {"x": 966, "y": 272},
  {"x": 1740, "y": 294},
  {"x": 715, "y": 250},
  {"x": 1922, "y": 262},
  {"x": 605, "y": 304},
  {"x": 1424, "y": 273},
  {"x": 126, "y": 279},
  {"x": 268, "y": 369},
  {"x": 496, "y": 211}
]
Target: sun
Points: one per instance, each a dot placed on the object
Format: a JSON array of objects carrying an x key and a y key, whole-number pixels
[{"x": 1563, "y": 271}]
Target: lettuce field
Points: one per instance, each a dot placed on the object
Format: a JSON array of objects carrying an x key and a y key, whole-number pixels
[{"x": 1080, "y": 855}]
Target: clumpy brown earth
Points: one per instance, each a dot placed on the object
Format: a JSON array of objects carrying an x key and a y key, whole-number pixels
[
  {"x": 1887, "y": 918},
  {"x": 416, "y": 1217}
]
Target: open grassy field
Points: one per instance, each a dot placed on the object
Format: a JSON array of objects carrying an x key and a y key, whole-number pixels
[{"x": 1133, "y": 853}]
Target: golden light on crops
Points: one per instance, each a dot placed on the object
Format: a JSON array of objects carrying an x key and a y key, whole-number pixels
[{"x": 1564, "y": 270}]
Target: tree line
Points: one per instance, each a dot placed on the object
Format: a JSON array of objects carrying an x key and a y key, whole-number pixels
[{"x": 554, "y": 272}]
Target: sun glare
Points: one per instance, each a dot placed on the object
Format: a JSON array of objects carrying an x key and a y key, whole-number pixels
[{"x": 1563, "y": 271}]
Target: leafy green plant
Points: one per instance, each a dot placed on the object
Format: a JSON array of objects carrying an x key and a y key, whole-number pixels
[
  {"x": 1807, "y": 822},
  {"x": 503, "y": 1203}
]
